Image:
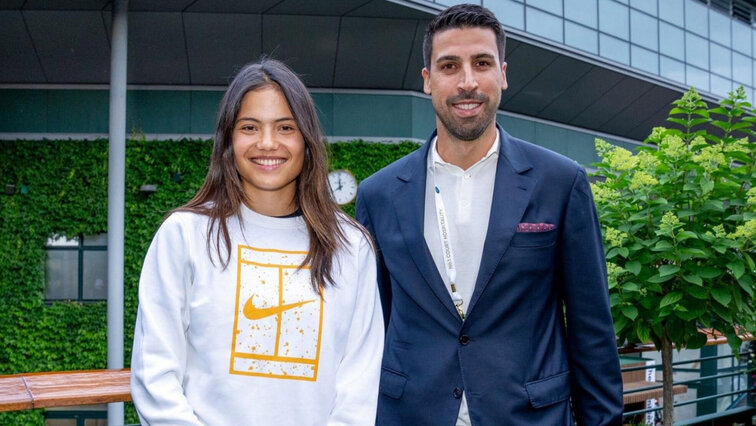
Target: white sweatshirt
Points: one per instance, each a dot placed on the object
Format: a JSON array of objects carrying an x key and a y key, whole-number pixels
[{"x": 254, "y": 344}]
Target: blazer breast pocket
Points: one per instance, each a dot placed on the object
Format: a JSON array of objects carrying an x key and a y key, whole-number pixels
[{"x": 534, "y": 239}]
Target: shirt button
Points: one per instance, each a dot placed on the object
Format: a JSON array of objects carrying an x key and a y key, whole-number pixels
[
  {"x": 468, "y": 175},
  {"x": 457, "y": 393},
  {"x": 464, "y": 339}
]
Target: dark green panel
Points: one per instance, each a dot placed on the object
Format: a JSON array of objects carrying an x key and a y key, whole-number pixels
[
  {"x": 324, "y": 106},
  {"x": 78, "y": 111},
  {"x": 550, "y": 137},
  {"x": 204, "y": 111},
  {"x": 23, "y": 110},
  {"x": 158, "y": 111},
  {"x": 423, "y": 118},
  {"x": 581, "y": 147},
  {"x": 517, "y": 127},
  {"x": 372, "y": 115}
]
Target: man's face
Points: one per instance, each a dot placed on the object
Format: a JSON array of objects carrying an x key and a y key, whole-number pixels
[{"x": 465, "y": 80}]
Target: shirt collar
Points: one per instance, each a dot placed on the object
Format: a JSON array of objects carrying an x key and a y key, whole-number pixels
[{"x": 436, "y": 158}]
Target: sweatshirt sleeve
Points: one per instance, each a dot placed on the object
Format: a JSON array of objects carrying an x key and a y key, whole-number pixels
[
  {"x": 159, "y": 356},
  {"x": 359, "y": 371}
]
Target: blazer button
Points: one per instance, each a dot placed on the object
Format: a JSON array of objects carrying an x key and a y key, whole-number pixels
[
  {"x": 457, "y": 393},
  {"x": 464, "y": 339}
]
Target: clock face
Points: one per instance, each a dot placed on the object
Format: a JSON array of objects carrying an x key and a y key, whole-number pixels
[{"x": 343, "y": 186}]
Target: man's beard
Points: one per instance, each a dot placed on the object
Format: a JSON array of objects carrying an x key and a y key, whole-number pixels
[{"x": 467, "y": 129}]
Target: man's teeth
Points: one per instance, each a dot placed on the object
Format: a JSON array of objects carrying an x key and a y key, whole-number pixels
[
  {"x": 268, "y": 161},
  {"x": 467, "y": 106}
]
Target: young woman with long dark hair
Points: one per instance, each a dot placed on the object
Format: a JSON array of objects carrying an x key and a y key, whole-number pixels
[{"x": 257, "y": 300}]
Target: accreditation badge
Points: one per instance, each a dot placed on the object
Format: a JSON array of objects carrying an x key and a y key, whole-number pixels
[{"x": 277, "y": 317}]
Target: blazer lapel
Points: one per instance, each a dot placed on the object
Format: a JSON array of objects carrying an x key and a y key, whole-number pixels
[
  {"x": 409, "y": 205},
  {"x": 511, "y": 196}
]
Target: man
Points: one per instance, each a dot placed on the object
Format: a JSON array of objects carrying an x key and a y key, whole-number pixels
[{"x": 492, "y": 269}]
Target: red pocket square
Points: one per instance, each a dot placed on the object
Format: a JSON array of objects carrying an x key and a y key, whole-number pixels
[{"x": 534, "y": 227}]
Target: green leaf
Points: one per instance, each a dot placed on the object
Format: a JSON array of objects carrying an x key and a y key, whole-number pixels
[
  {"x": 749, "y": 260},
  {"x": 706, "y": 185},
  {"x": 721, "y": 295},
  {"x": 631, "y": 286},
  {"x": 619, "y": 324},
  {"x": 723, "y": 313},
  {"x": 697, "y": 341},
  {"x": 630, "y": 311},
  {"x": 708, "y": 272},
  {"x": 666, "y": 270},
  {"x": 737, "y": 267},
  {"x": 693, "y": 279},
  {"x": 684, "y": 235},
  {"x": 633, "y": 266},
  {"x": 694, "y": 252},
  {"x": 623, "y": 251},
  {"x": 612, "y": 253},
  {"x": 663, "y": 245},
  {"x": 642, "y": 331},
  {"x": 657, "y": 279},
  {"x": 746, "y": 283},
  {"x": 670, "y": 298}
]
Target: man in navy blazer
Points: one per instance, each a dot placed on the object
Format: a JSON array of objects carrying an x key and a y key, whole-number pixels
[{"x": 491, "y": 266}]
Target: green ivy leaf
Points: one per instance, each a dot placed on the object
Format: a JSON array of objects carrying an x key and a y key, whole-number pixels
[
  {"x": 708, "y": 272},
  {"x": 630, "y": 311},
  {"x": 737, "y": 267},
  {"x": 693, "y": 279},
  {"x": 665, "y": 270},
  {"x": 670, "y": 298},
  {"x": 721, "y": 295},
  {"x": 633, "y": 266},
  {"x": 697, "y": 341}
]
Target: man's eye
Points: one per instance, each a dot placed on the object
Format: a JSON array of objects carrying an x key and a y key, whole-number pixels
[
  {"x": 447, "y": 66},
  {"x": 484, "y": 63}
]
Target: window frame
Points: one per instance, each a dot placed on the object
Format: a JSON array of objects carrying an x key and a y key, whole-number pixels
[{"x": 80, "y": 250}]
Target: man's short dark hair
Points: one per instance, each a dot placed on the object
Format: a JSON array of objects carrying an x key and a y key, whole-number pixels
[{"x": 462, "y": 16}]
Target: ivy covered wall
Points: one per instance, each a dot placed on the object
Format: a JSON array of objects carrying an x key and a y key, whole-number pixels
[{"x": 60, "y": 187}]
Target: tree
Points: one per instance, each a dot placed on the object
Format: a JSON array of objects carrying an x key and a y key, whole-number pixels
[{"x": 679, "y": 226}]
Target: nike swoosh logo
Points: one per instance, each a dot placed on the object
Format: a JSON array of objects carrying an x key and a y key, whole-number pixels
[{"x": 254, "y": 313}]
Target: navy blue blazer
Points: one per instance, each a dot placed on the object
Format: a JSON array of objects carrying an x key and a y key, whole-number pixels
[{"x": 538, "y": 332}]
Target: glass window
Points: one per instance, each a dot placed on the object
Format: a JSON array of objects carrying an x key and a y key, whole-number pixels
[
  {"x": 76, "y": 268},
  {"x": 614, "y": 49},
  {"x": 720, "y": 86},
  {"x": 671, "y": 41},
  {"x": 721, "y": 58},
  {"x": 719, "y": 27},
  {"x": 581, "y": 37},
  {"x": 696, "y": 51},
  {"x": 741, "y": 69},
  {"x": 645, "y": 60},
  {"x": 543, "y": 24},
  {"x": 696, "y": 18},
  {"x": 581, "y": 11},
  {"x": 553, "y": 6},
  {"x": 672, "y": 11},
  {"x": 643, "y": 30},
  {"x": 697, "y": 77},
  {"x": 508, "y": 12},
  {"x": 672, "y": 69},
  {"x": 740, "y": 37},
  {"x": 613, "y": 19},
  {"x": 648, "y": 6}
]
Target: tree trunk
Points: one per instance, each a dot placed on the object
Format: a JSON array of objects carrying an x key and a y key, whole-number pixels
[{"x": 668, "y": 397}]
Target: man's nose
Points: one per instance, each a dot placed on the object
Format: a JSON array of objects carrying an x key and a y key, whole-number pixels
[{"x": 468, "y": 82}]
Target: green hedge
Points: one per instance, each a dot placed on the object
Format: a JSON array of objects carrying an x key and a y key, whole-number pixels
[{"x": 61, "y": 188}]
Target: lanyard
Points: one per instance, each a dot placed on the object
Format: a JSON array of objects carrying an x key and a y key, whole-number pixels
[{"x": 446, "y": 246}]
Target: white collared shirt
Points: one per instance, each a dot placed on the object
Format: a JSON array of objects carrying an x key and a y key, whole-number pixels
[{"x": 467, "y": 195}]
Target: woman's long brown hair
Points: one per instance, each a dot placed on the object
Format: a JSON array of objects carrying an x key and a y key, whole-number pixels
[{"x": 222, "y": 195}]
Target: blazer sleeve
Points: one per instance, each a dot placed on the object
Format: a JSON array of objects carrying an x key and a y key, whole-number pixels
[
  {"x": 362, "y": 214},
  {"x": 596, "y": 380},
  {"x": 158, "y": 360}
]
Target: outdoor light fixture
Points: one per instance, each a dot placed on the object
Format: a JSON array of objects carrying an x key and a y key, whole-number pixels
[
  {"x": 10, "y": 189},
  {"x": 148, "y": 189}
]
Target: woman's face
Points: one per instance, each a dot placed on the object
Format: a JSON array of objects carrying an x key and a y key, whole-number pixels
[{"x": 268, "y": 146}]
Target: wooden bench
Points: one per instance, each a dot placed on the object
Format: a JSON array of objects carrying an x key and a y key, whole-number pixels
[{"x": 63, "y": 389}]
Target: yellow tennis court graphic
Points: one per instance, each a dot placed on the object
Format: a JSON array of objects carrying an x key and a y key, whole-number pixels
[{"x": 277, "y": 318}]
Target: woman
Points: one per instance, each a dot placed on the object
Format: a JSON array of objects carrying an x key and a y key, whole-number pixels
[{"x": 257, "y": 299}]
